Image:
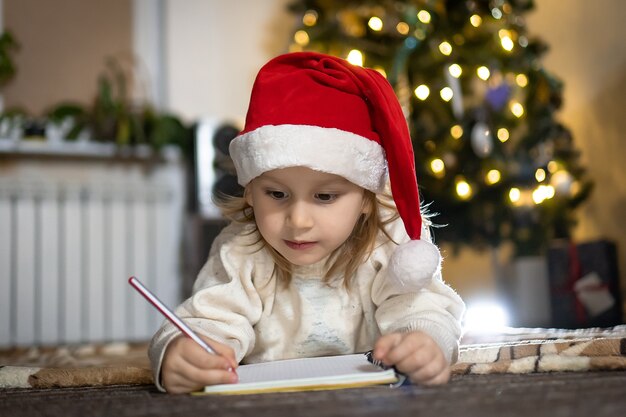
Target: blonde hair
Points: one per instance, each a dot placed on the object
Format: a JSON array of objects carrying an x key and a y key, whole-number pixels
[{"x": 346, "y": 258}]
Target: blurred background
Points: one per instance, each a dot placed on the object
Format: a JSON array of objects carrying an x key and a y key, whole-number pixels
[{"x": 116, "y": 117}]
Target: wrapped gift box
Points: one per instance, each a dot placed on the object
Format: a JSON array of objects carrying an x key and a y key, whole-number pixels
[{"x": 584, "y": 284}]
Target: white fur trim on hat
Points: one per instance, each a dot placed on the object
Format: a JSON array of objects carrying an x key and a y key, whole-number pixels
[{"x": 356, "y": 158}]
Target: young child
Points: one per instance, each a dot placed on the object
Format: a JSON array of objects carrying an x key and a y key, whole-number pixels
[{"x": 319, "y": 259}]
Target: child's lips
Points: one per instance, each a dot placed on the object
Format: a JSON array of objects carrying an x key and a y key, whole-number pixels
[{"x": 301, "y": 245}]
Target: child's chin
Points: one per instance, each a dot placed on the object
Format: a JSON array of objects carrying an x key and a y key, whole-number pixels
[{"x": 303, "y": 259}]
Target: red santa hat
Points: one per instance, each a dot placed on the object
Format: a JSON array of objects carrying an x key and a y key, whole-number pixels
[{"x": 319, "y": 111}]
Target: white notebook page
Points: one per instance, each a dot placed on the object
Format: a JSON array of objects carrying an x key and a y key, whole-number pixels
[
  {"x": 328, "y": 371},
  {"x": 291, "y": 369}
]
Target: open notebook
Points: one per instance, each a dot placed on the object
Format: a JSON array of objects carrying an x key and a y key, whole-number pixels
[{"x": 307, "y": 374}]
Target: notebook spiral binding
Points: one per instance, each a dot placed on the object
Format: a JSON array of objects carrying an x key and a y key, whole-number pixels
[{"x": 402, "y": 378}]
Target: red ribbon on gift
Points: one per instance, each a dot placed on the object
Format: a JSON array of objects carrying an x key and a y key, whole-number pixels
[{"x": 574, "y": 274}]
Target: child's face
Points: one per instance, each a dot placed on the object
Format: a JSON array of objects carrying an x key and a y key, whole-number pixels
[{"x": 305, "y": 214}]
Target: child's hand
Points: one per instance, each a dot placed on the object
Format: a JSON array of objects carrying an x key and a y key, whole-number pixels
[
  {"x": 415, "y": 354},
  {"x": 187, "y": 367}
]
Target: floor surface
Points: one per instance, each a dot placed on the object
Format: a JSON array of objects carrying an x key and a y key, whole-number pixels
[{"x": 568, "y": 394}]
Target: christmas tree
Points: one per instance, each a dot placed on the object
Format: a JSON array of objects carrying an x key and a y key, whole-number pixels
[{"x": 492, "y": 160}]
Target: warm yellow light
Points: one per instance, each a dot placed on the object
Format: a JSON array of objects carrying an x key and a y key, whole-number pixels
[
  {"x": 560, "y": 176},
  {"x": 493, "y": 176},
  {"x": 355, "y": 57},
  {"x": 375, "y": 23},
  {"x": 310, "y": 18},
  {"x": 503, "y": 134},
  {"x": 575, "y": 188},
  {"x": 521, "y": 80},
  {"x": 403, "y": 28},
  {"x": 483, "y": 73},
  {"x": 540, "y": 194},
  {"x": 437, "y": 166},
  {"x": 455, "y": 70},
  {"x": 540, "y": 175},
  {"x": 422, "y": 92},
  {"x": 446, "y": 93},
  {"x": 381, "y": 71},
  {"x": 423, "y": 16},
  {"x": 517, "y": 109},
  {"x": 515, "y": 194},
  {"x": 301, "y": 37},
  {"x": 476, "y": 20},
  {"x": 463, "y": 189},
  {"x": 553, "y": 166},
  {"x": 507, "y": 43},
  {"x": 445, "y": 48},
  {"x": 456, "y": 131}
]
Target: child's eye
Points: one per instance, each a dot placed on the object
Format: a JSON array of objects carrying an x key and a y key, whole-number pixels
[
  {"x": 326, "y": 198},
  {"x": 276, "y": 195}
]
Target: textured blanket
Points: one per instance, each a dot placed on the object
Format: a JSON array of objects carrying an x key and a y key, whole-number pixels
[
  {"x": 584, "y": 354},
  {"x": 511, "y": 351},
  {"x": 75, "y": 366}
]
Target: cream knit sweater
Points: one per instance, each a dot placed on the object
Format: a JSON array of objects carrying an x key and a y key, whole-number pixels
[{"x": 239, "y": 302}]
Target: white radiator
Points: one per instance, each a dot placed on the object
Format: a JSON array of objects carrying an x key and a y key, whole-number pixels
[{"x": 69, "y": 240}]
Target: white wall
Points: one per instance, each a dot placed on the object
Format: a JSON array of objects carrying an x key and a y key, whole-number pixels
[
  {"x": 215, "y": 49},
  {"x": 148, "y": 27}
]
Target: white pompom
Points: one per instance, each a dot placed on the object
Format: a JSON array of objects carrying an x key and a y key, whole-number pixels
[{"x": 413, "y": 265}]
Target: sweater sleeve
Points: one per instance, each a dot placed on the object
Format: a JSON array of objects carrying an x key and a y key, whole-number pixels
[
  {"x": 435, "y": 310},
  {"x": 224, "y": 305}
]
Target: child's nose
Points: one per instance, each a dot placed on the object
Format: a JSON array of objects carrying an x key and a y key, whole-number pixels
[{"x": 300, "y": 216}]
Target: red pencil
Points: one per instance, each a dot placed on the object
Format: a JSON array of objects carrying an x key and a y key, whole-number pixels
[{"x": 182, "y": 326}]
